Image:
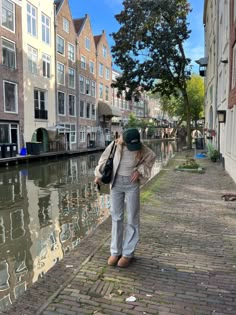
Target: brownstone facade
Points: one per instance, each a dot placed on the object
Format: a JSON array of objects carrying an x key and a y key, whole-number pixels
[
  {"x": 104, "y": 80},
  {"x": 87, "y": 73},
  {"x": 66, "y": 69},
  {"x": 11, "y": 78}
]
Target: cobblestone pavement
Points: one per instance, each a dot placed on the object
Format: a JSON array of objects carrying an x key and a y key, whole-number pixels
[{"x": 185, "y": 261}]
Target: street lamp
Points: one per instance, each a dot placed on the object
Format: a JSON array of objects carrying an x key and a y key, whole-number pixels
[{"x": 221, "y": 114}]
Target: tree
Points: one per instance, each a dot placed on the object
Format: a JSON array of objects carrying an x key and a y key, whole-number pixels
[
  {"x": 174, "y": 106},
  {"x": 149, "y": 49}
]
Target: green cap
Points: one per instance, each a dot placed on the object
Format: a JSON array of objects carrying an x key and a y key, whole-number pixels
[{"x": 131, "y": 138}]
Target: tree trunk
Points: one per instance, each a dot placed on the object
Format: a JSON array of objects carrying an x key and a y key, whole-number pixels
[{"x": 188, "y": 120}]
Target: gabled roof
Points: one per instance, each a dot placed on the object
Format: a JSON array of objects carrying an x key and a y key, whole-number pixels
[
  {"x": 78, "y": 23},
  {"x": 97, "y": 39},
  {"x": 58, "y": 4}
]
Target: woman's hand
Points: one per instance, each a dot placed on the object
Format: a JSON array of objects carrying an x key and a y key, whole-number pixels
[
  {"x": 135, "y": 176},
  {"x": 98, "y": 182}
]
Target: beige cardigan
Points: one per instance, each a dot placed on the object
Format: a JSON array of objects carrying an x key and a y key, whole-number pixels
[{"x": 143, "y": 166}]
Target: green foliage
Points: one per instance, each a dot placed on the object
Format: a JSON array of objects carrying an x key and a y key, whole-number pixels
[
  {"x": 175, "y": 105},
  {"x": 149, "y": 45},
  {"x": 190, "y": 163},
  {"x": 212, "y": 152},
  {"x": 149, "y": 49}
]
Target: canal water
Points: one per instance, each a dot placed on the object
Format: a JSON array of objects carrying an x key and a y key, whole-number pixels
[{"x": 46, "y": 209}]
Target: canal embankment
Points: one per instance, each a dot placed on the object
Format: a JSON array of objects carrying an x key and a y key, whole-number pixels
[{"x": 185, "y": 261}]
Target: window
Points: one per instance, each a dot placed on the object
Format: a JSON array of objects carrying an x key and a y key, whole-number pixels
[
  {"x": 101, "y": 69},
  {"x": 8, "y": 54},
  {"x": 31, "y": 20},
  {"x": 82, "y": 134},
  {"x": 71, "y": 78},
  {"x": 107, "y": 93},
  {"x": 45, "y": 29},
  {"x": 87, "y": 43},
  {"x": 93, "y": 89},
  {"x": 46, "y": 65},
  {"x": 88, "y": 110},
  {"x": 72, "y": 133},
  {"x": 61, "y": 103},
  {"x": 91, "y": 67},
  {"x": 93, "y": 116},
  {"x": 88, "y": 92},
  {"x": 71, "y": 52},
  {"x": 100, "y": 90},
  {"x": 234, "y": 67},
  {"x": 107, "y": 74},
  {"x": 60, "y": 45},
  {"x": 104, "y": 51},
  {"x": 81, "y": 84},
  {"x": 83, "y": 62},
  {"x": 10, "y": 97},
  {"x": 81, "y": 110},
  {"x": 8, "y": 15},
  {"x": 66, "y": 25},
  {"x": 71, "y": 104},
  {"x": 40, "y": 111},
  {"x": 32, "y": 59},
  {"x": 60, "y": 73}
]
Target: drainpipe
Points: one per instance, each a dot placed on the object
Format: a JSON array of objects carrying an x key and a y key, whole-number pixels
[
  {"x": 77, "y": 95},
  {"x": 55, "y": 45},
  {"x": 216, "y": 71}
]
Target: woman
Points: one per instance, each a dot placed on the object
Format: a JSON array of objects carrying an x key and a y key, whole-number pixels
[{"x": 132, "y": 165}]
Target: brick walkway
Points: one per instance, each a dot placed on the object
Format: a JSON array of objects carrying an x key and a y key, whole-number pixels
[{"x": 185, "y": 261}]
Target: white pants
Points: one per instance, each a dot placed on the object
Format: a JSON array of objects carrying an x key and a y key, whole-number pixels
[{"x": 123, "y": 190}]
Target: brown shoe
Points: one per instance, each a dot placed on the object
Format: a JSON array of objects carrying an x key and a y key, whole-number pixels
[
  {"x": 113, "y": 260},
  {"x": 124, "y": 261}
]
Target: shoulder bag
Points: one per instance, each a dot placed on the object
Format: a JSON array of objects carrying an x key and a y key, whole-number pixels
[{"x": 108, "y": 168}]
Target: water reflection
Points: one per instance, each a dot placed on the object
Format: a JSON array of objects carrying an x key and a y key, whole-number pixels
[{"x": 45, "y": 211}]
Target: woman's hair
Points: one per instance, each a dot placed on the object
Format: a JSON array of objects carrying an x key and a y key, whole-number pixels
[{"x": 120, "y": 141}]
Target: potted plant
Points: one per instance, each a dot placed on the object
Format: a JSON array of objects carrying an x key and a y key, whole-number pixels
[{"x": 215, "y": 155}]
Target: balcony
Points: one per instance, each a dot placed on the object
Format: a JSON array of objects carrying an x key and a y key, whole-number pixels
[{"x": 40, "y": 114}]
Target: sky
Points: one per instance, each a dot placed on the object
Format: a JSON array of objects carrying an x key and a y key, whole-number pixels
[{"x": 102, "y": 15}]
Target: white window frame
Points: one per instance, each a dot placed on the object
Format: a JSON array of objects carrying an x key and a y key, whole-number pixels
[
  {"x": 32, "y": 59},
  {"x": 16, "y": 96},
  {"x": 88, "y": 111},
  {"x": 88, "y": 86},
  {"x": 13, "y": 15},
  {"x": 71, "y": 53},
  {"x": 46, "y": 29},
  {"x": 106, "y": 93},
  {"x": 46, "y": 59},
  {"x": 91, "y": 66},
  {"x": 10, "y": 50},
  {"x": 107, "y": 73},
  {"x": 87, "y": 43},
  {"x": 59, "y": 37},
  {"x": 64, "y": 103},
  {"x": 93, "y": 109},
  {"x": 93, "y": 88},
  {"x": 83, "y": 62},
  {"x": 82, "y": 79},
  {"x": 33, "y": 20},
  {"x": 82, "y": 134},
  {"x": 70, "y": 71},
  {"x": 104, "y": 51},
  {"x": 100, "y": 91},
  {"x": 73, "y": 115},
  {"x": 82, "y": 101},
  {"x": 101, "y": 68},
  {"x": 61, "y": 64},
  {"x": 66, "y": 25}
]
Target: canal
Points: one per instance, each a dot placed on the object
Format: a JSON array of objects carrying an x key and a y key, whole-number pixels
[{"x": 46, "y": 209}]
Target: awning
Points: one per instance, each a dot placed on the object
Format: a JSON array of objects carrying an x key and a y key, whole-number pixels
[{"x": 108, "y": 110}]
